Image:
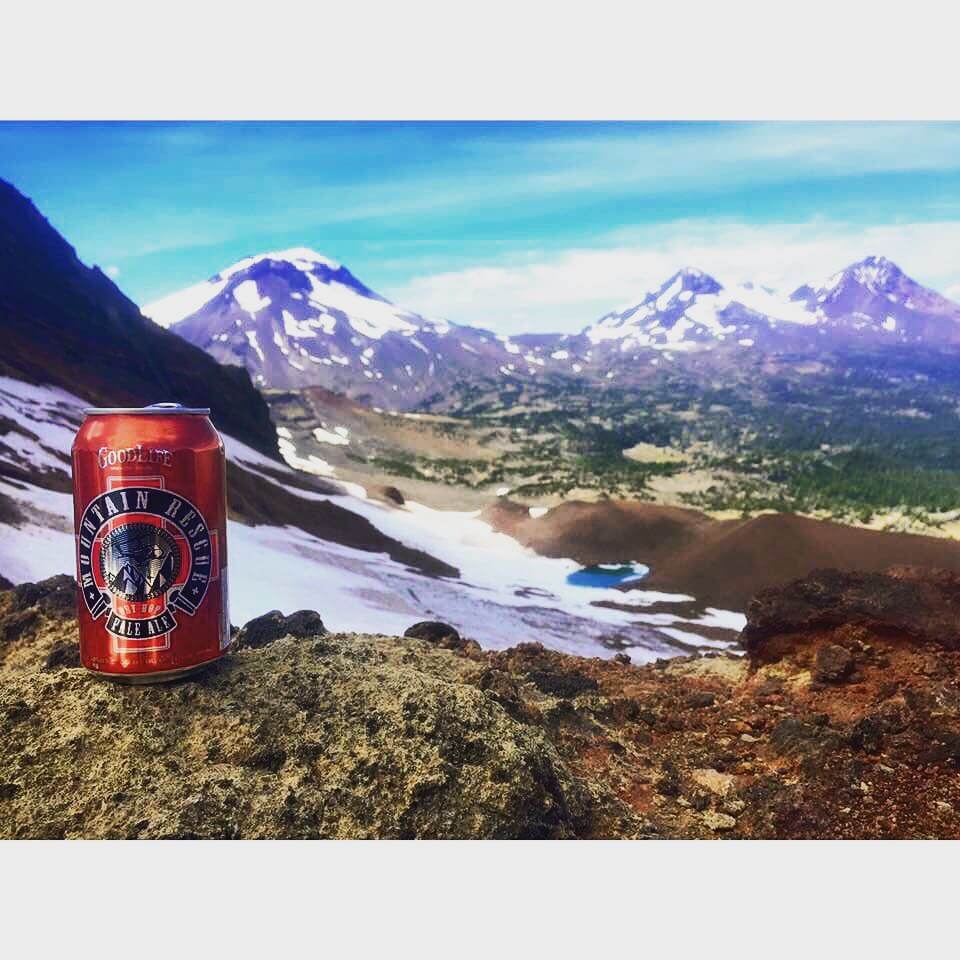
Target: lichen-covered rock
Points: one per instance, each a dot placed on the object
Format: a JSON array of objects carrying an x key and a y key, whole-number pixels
[
  {"x": 324, "y": 738},
  {"x": 37, "y": 624}
]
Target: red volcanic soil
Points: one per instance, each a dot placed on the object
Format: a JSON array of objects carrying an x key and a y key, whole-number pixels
[
  {"x": 722, "y": 562},
  {"x": 612, "y": 531}
]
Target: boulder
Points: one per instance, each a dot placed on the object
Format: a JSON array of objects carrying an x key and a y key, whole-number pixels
[
  {"x": 390, "y": 493},
  {"x": 441, "y": 635},
  {"x": 331, "y": 738},
  {"x": 273, "y": 625}
]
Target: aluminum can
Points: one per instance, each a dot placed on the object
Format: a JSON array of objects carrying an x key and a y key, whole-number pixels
[{"x": 150, "y": 518}]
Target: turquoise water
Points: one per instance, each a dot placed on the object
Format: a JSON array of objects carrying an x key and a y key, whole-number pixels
[{"x": 607, "y": 574}]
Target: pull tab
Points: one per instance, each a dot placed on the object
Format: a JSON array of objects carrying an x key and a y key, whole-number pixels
[{"x": 165, "y": 406}]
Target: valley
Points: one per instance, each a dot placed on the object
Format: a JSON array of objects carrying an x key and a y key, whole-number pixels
[{"x": 862, "y": 438}]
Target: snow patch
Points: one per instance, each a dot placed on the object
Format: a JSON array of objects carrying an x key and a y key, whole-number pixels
[
  {"x": 252, "y": 340},
  {"x": 248, "y": 296},
  {"x": 338, "y": 437}
]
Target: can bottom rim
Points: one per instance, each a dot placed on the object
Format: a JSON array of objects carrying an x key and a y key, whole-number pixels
[{"x": 160, "y": 676}]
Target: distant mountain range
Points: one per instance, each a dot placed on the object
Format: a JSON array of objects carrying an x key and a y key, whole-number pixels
[{"x": 295, "y": 318}]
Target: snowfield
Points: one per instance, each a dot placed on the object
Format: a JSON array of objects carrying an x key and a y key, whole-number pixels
[{"x": 506, "y": 594}]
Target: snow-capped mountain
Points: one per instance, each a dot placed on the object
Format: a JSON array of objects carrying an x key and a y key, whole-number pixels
[
  {"x": 876, "y": 298},
  {"x": 691, "y": 311},
  {"x": 296, "y": 318},
  {"x": 872, "y": 300}
]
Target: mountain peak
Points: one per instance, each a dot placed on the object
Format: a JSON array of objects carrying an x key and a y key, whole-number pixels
[
  {"x": 875, "y": 272},
  {"x": 874, "y": 297},
  {"x": 693, "y": 279},
  {"x": 304, "y": 258},
  {"x": 294, "y": 318}
]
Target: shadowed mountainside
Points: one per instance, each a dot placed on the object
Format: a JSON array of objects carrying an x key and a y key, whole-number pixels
[{"x": 68, "y": 325}]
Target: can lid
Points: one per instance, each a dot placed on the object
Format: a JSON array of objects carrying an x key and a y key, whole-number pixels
[{"x": 155, "y": 409}]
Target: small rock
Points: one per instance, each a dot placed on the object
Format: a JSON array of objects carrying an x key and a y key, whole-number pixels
[
  {"x": 442, "y": 635},
  {"x": 392, "y": 494},
  {"x": 718, "y": 822},
  {"x": 273, "y": 625},
  {"x": 867, "y": 734},
  {"x": 833, "y": 664},
  {"x": 305, "y": 623},
  {"x": 714, "y": 781},
  {"x": 433, "y": 631},
  {"x": 669, "y": 784},
  {"x": 565, "y": 685},
  {"x": 699, "y": 800},
  {"x": 702, "y": 698},
  {"x": 943, "y": 806}
]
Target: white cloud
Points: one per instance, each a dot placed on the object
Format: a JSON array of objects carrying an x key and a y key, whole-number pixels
[
  {"x": 566, "y": 290},
  {"x": 112, "y": 271}
]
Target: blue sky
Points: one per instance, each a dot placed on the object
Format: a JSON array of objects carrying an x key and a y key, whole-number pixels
[{"x": 517, "y": 226}]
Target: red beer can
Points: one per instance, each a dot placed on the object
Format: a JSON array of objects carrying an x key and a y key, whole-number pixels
[{"x": 150, "y": 516}]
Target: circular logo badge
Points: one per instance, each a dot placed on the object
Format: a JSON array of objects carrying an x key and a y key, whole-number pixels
[
  {"x": 139, "y": 562},
  {"x": 143, "y": 553}
]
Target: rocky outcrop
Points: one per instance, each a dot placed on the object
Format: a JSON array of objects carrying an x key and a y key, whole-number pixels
[
  {"x": 842, "y": 720},
  {"x": 920, "y": 602},
  {"x": 306, "y": 736}
]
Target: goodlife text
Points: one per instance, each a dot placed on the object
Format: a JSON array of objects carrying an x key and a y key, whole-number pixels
[{"x": 108, "y": 457}]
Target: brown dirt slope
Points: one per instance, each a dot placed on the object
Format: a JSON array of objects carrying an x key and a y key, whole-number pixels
[
  {"x": 609, "y": 531},
  {"x": 732, "y": 560},
  {"x": 719, "y": 562}
]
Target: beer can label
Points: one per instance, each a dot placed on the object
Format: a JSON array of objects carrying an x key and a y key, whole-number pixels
[{"x": 146, "y": 558}]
